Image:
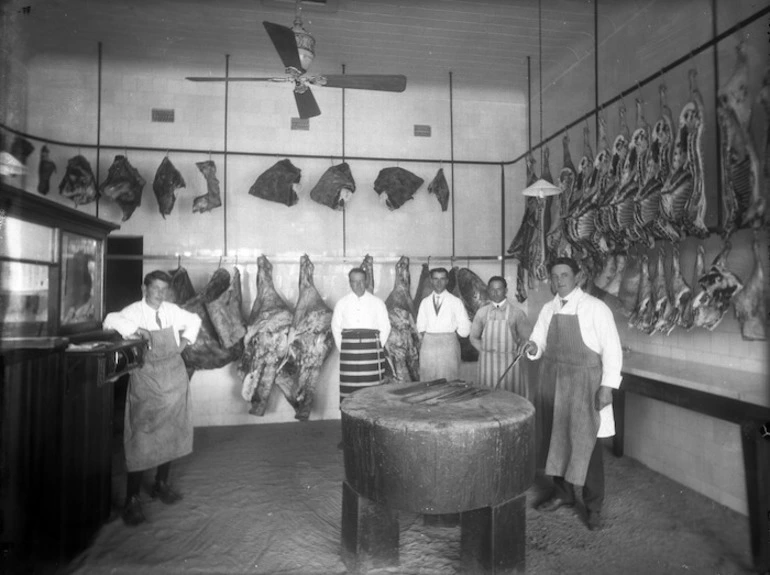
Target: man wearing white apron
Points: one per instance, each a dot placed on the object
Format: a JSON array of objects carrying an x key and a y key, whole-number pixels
[
  {"x": 158, "y": 421},
  {"x": 576, "y": 335},
  {"x": 497, "y": 330}
]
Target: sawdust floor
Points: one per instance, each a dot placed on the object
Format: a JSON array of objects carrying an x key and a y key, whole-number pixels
[{"x": 267, "y": 499}]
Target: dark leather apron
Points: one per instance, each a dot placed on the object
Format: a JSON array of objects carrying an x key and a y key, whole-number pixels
[
  {"x": 570, "y": 378},
  {"x": 158, "y": 420}
]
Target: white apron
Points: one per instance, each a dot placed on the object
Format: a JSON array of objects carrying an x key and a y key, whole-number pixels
[{"x": 498, "y": 350}]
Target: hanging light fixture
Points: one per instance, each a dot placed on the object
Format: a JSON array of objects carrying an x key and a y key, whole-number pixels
[
  {"x": 541, "y": 189},
  {"x": 305, "y": 42}
]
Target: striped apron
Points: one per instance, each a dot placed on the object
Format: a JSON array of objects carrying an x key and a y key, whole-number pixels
[
  {"x": 498, "y": 350},
  {"x": 362, "y": 360},
  {"x": 158, "y": 420},
  {"x": 569, "y": 380},
  {"x": 439, "y": 356}
]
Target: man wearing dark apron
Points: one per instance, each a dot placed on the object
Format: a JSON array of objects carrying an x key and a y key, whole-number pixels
[
  {"x": 158, "y": 419},
  {"x": 497, "y": 330},
  {"x": 575, "y": 333}
]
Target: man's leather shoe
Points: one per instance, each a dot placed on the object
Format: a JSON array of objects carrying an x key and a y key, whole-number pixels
[
  {"x": 554, "y": 503},
  {"x": 132, "y": 512},
  {"x": 594, "y": 521},
  {"x": 162, "y": 490}
]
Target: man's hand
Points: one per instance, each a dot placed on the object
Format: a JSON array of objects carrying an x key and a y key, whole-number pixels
[
  {"x": 143, "y": 333},
  {"x": 183, "y": 343},
  {"x": 603, "y": 397},
  {"x": 528, "y": 347}
]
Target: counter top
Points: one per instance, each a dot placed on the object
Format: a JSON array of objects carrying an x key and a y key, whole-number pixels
[
  {"x": 18, "y": 343},
  {"x": 741, "y": 385}
]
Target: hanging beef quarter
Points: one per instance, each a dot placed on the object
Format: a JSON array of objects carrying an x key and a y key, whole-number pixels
[
  {"x": 403, "y": 343},
  {"x": 310, "y": 341},
  {"x": 279, "y": 183},
  {"x": 687, "y": 319},
  {"x": 181, "y": 287},
  {"x": 368, "y": 266},
  {"x": 519, "y": 248},
  {"x": 206, "y": 352},
  {"x": 167, "y": 180},
  {"x": 556, "y": 241},
  {"x": 641, "y": 318},
  {"x": 21, "y": 149},
  {"x": 78, "y": 183},
  {"x": 212, "y": 198},
  {"x": 605, "y": 210},
  {"x": 718, "y": 286},
  {"x": 45, "y": 170},
  {"x": 467, "y": 351},
  {"x": 424, "y": 287},
  {"x": 473, "y": 291},
  {"x": 440, "y": 188},
  {"x": 680, "y": 292},
  {"x": 335, "y": 188},
  {"x": 225, "y": 313},
  {"x": 750, "y": 306},
  {"x": 743, "y": 200},
  {"x": 629, "y": 284},
  {"x": 398, "y": 185},
  {"x": 613, "y": 287},
  {"x": 266, "y": 343},
  {"x": 124, "y": 186},
  {"x": 662, "y": 306}
]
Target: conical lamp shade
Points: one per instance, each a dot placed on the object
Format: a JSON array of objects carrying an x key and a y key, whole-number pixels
[{"x": 541, "y": 189}]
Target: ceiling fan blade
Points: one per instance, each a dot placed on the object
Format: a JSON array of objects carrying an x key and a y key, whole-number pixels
[
  {"x": 285, "y": 44},
  {"x": 306, "y": 104},
  {"x": 234, "y": 79},
  {"x": 384, "y": 82}
]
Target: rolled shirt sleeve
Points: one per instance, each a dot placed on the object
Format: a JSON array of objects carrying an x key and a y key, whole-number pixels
[
  {"x": 540, "y": 331},
  {"x": 187, "y": 323},
  {"x": 461, "y": 317},
  {"x": 121, "y": 323},
  {"x": 477, "y": 327}
]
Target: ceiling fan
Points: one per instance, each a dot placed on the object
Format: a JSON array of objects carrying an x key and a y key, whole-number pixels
[{"x": 296, "y": 47}]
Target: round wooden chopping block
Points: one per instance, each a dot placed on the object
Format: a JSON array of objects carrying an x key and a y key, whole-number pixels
[{"x": 428, "y": 456}]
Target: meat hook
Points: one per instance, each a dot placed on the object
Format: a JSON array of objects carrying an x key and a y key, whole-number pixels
[
  {"x": 220, "y": 262},
  {"x": 178, "y": 260}
]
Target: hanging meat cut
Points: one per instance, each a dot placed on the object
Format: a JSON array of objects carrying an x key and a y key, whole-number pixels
[
  {"x": 310, "y": 341},
  {"x": 266, "y": 343},
  {"x": 613, "y": 287},
  {"x": 167, "y": 180},
  {"x": 398, "y": 185},
  {"x": 641, "y": 318},
  {"x": 78, "y": 183},
  {"x": 683, "y": 196},
  {"x": 680, "y": 292},
  {"x": 605, "y": 234},
  {"x": 629, "y": 284},
  {"x": 424, "y": 286},
  {"x": 607, "y": 273},
  {"x": 124, "y": 186},
  {"x": 743, "y": 199},
  {"x": 440, "y": 188},
  {"x": 206, "y": 352},
  {"x": 181, "y": 287},
  {"x": 279, "y": 183},
  {"x": 473, "y": 291},
  {"x": 519, "y": 248},
  {"x": 718, "y": 286},
  {"x": 662, "y": 306},
  {"x": 687, "y": 319},
  {"x": 403, "y": 343},
  {"x": 467, "y": 351},
  {"x": 368, "y": 266},
  {"x": 335, "y": 188},
  {"x": 225, "y": 313},
  {"x": 556, "y": 238},
  {"x": 750, "y": 302},
  {"x": 45, "y": 170},
  {"x": 211, "y": 199}
]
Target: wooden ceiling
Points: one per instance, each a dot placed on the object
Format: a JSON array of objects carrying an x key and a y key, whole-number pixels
[{"x": 484, "y": 43}]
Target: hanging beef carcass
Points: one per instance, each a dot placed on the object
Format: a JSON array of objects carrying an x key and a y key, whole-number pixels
[
  {"x": 683, "y": 196},
  {"x": 212, "y": 198},
  {"x": 398, "y": 185},
  {"x": 279, "y": 183},
  {"x": 310, "y": 341},
  {"x": 424, "y": 287},
  {"x": 467, "y": 351},
  {"x": 335, "y": 188},
  {"x": 750, "y": 306},
  {"x": 556, "y": 238},
  {"x": 181, "y": 287},
  {"x": 629, "y": 284},
  {"x": 536, "y": 250},
  {"x": 78, "y": 183},
  {"x": 45, "y": 170},
  {"x": 613, "y": 287},
  {"x": 687, "y": 319},
  {"x": 167, "y": 180},
  {"x": 266, "y": 343},
  {"x": 124, "y": 186},
  {"x": 519, "y": 248},
  {"x": 641, "y": 318},
  {"x": 440, "y": 188},
  {"x": 472, "y": 290},
  {"x": 743, "y": 199},
  {"x": 633, "y": 174},
  {"x": 764, "y": 99},
  {"x": 225, "y": 313},
  {"x": 206, "y": 352},
  {"x": 718, "y": 286},
  {"x": 648, "y": 223},
  {"x": 403, "y": 343},
  {"x": 368, "y": 266},
  {"x": 605, "y": 232},
  {"x": 679, "y": 291},
  {"x": 662, "y": 306}
]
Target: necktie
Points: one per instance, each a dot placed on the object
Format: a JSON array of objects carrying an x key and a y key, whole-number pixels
[
  {"x": 563, "y": 302},
  {"x": 436, "y": 304},
  {"x": 157, "y": 319}
]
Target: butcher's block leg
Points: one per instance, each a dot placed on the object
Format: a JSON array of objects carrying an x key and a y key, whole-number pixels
[
  {"x": 492, "y": 539},
  {"x": 369, "y": 533}
]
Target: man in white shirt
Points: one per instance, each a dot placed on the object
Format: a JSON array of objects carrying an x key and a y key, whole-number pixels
[
  {"x": 497, "y": 330},
  {"x": 576, "y": 335},
  {"x": 158, "y": 422},
  {"x": 440, "y": 319},
  {"x": 360, "y": 326}
]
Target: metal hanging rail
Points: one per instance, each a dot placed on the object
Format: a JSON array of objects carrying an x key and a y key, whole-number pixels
[
  {"x": 239, "y": 259},
  {"x": 678, "y": 62}
]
